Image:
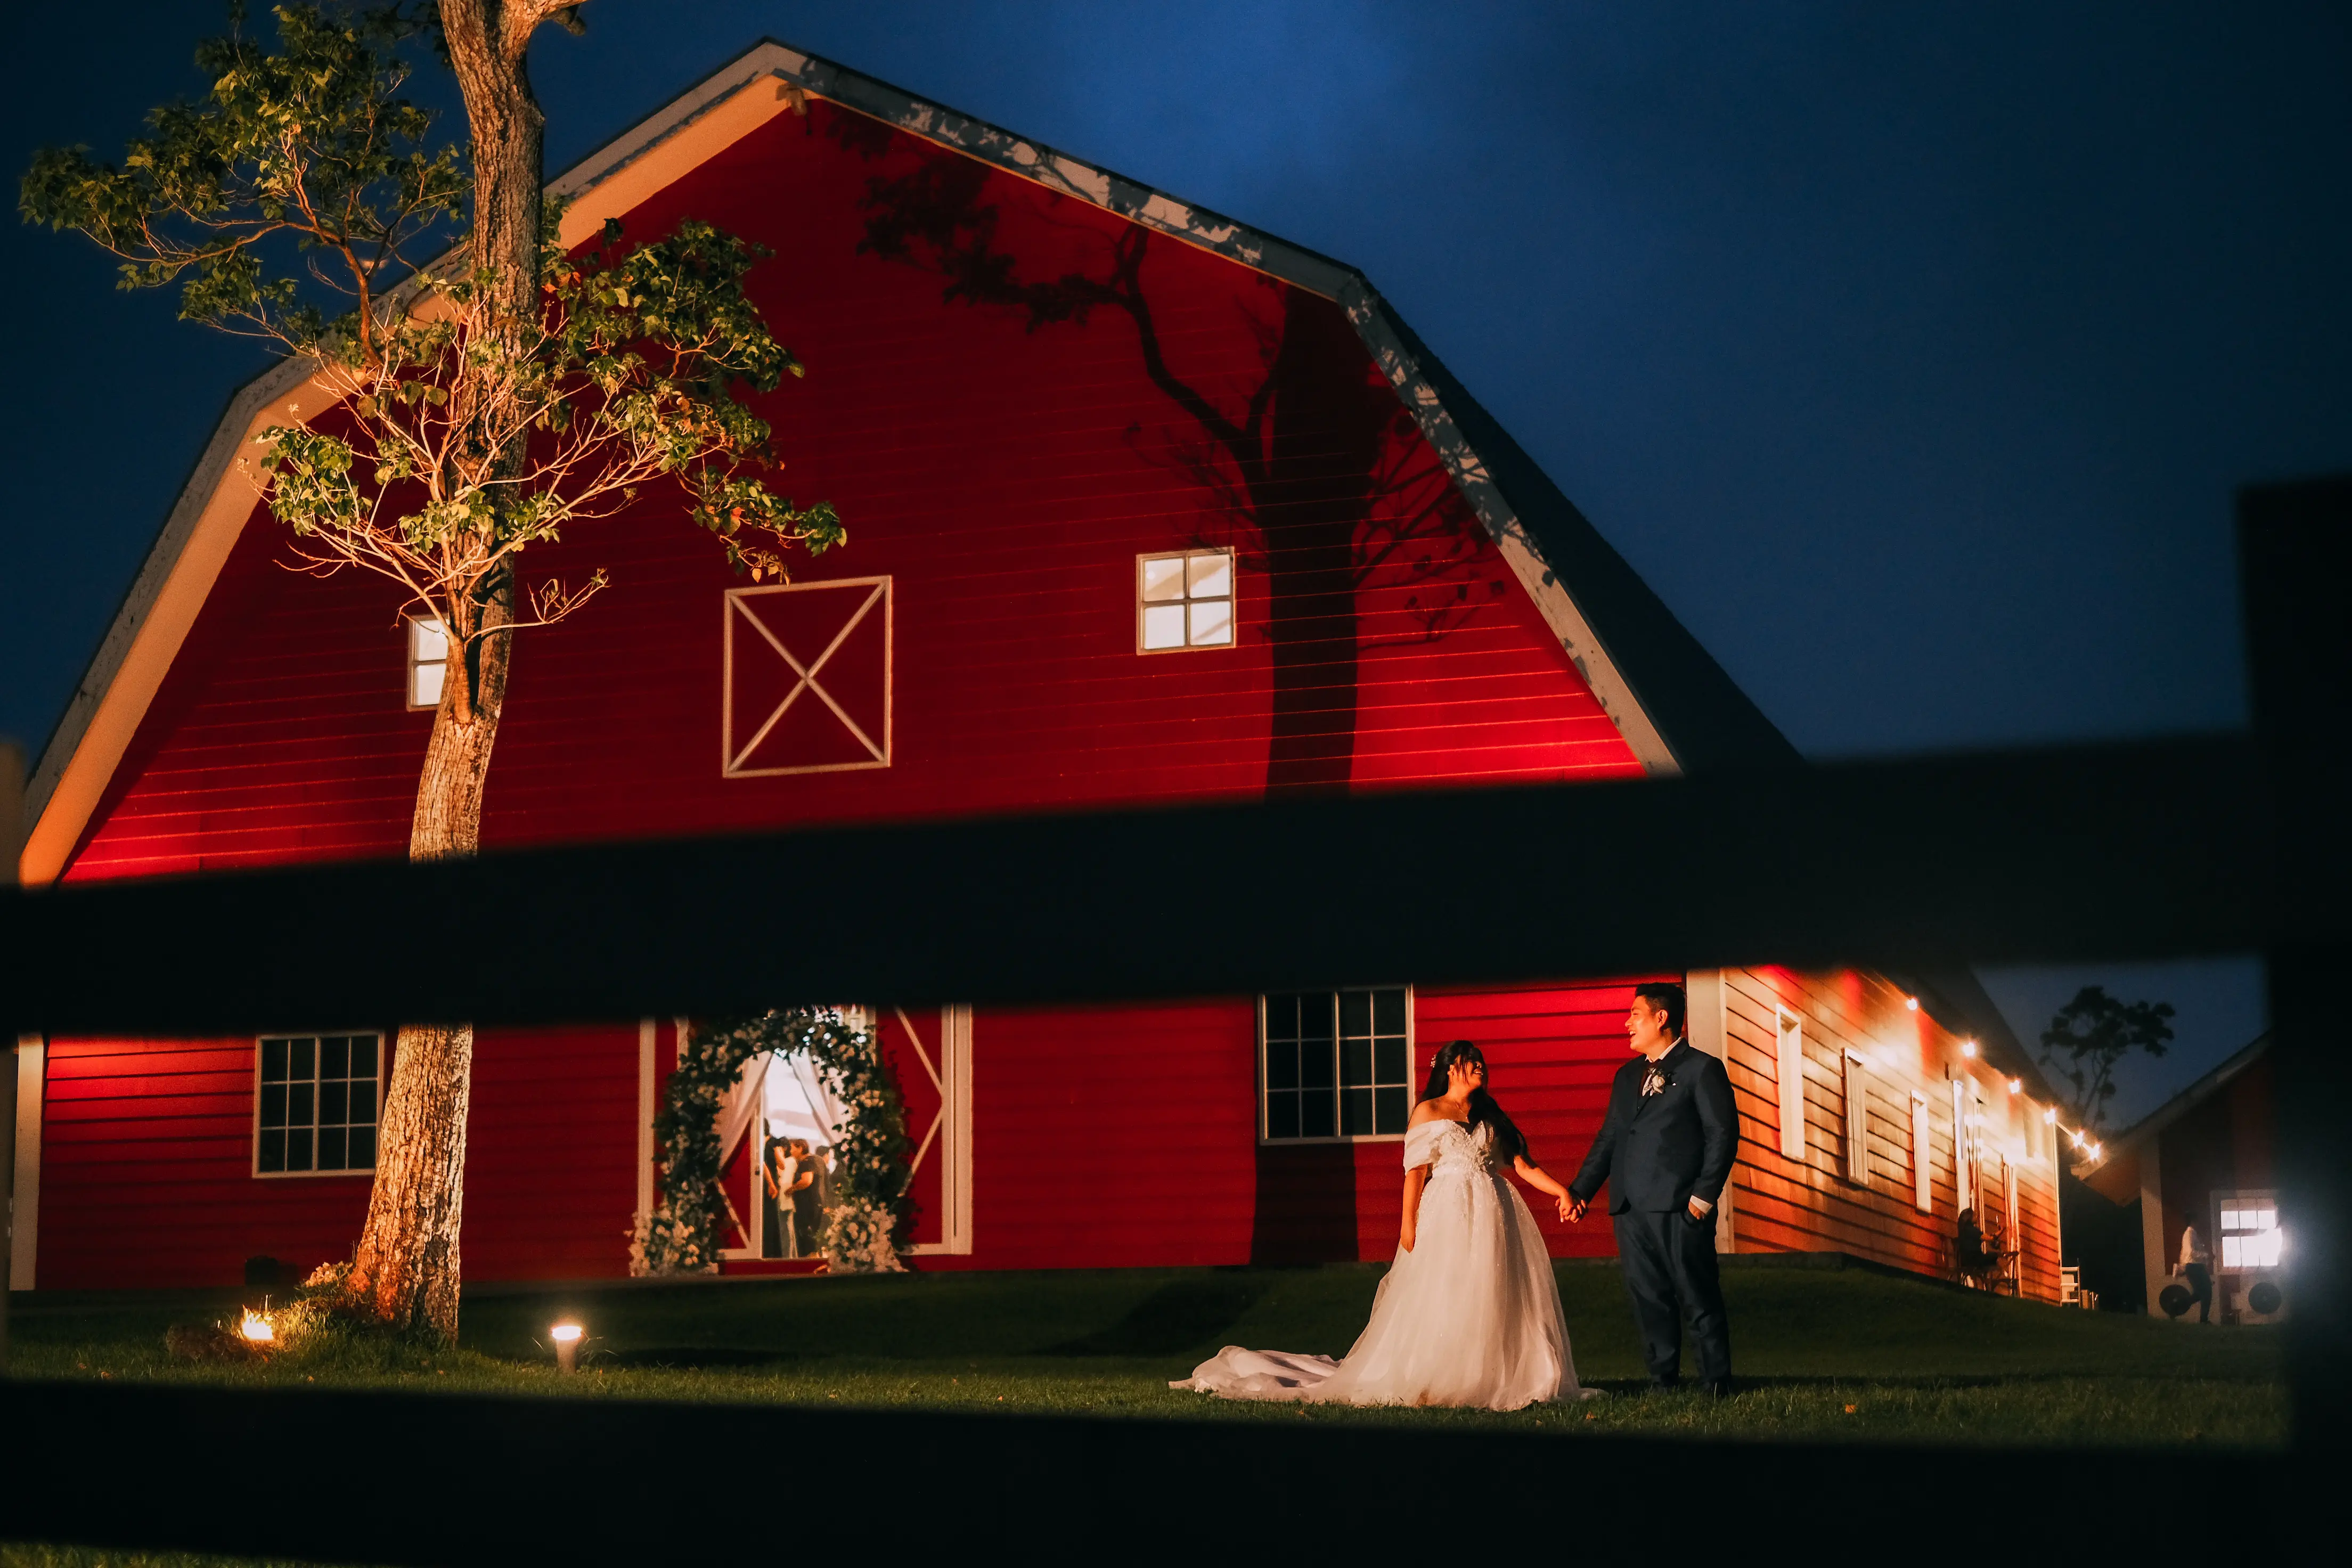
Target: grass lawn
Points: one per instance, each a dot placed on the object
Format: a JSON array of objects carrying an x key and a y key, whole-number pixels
[{"x": 1824, "y": 1353}]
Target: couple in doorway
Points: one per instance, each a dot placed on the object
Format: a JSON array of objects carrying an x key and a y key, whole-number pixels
[
  {"x": 1469, "y": 1313},
  {"x": 797, "y": 1179}
]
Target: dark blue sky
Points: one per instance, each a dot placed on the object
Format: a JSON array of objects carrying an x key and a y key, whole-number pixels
[{"x": 1912, "y": 354}]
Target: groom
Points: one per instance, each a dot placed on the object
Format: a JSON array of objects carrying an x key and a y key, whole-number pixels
[{"x": 1666, "y": 1149}]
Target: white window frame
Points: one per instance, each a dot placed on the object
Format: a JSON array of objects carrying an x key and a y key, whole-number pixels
[
  {"x": 881, "y": 599},
  {"x": 1145, "y": 603},
  {"x": 1923, "y": 1144},
  {"x": 420, "y": 660},
  {"x": 1857, "y": 1119},
  {"x": 1963, "y": 1160},
  {"x": 1339, "y": 1087},
  {"x": 2265, "y": 1197},
  {"x": 1789, "y": 1087},
  {"x": 315, "y": 1036}
]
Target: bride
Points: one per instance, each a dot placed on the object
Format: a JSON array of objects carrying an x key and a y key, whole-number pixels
[{"x": 1469, "y": 1313}]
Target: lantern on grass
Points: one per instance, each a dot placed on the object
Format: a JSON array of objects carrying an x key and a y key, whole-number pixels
[
  {"x": 255, "y": 1330},
  {"x": 567, "y": 1345}
]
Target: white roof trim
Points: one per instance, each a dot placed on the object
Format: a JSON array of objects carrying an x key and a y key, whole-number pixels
[{"x": 205, "y": 523}]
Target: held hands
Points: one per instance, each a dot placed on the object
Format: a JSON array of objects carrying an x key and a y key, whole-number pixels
[{"x": 1572, "y": 1208}]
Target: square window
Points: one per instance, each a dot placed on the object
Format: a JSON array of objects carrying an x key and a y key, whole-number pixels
[
  {"x": 315, "y": 1104},
  {"x": 1337, "y": 1063},
  {"x": 1184, "y": 601},
  {"x": 428, "y": 657}
]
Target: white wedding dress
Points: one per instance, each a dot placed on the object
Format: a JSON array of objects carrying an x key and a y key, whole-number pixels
[{"x": 1471, "y": 1316}]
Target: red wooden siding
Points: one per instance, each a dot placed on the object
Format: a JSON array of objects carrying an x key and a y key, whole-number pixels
[
  {"x": 1005, "y": 480},
  {"x": 147, "y": 1164},
  {"x": 1809, "y": 1205}
]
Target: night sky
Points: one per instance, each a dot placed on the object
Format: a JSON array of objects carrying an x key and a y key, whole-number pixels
[{"x": 1912, "y": 354}]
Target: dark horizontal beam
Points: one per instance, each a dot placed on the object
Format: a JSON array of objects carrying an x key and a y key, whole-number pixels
[{"x": 2145, "y": 850}]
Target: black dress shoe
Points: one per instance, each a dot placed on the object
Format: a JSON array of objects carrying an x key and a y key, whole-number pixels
[
  {"x": 1719, "y": 1387},
  {"x": 1664, "y": 1384}
]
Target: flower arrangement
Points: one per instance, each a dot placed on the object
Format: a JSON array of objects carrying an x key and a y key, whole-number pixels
[{"x": 866, "y": 1225}]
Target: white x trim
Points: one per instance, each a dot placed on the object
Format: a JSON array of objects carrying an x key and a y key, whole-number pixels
[{"x": 735, "y": 757}]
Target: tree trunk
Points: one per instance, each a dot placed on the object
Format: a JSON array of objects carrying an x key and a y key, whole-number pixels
[{"x": 405, "y": 1270}]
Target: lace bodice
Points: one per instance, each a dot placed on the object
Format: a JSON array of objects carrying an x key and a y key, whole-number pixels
[{"x": 1450, "y": 1148}]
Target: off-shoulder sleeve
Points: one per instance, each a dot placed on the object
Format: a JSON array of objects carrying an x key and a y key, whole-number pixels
[{"x": 1421, "y": 1143}]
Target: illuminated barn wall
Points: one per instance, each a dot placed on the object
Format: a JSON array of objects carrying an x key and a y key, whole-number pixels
[{"x": 1012, "y": 394}]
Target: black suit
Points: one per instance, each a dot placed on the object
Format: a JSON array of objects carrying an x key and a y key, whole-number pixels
[{"x": 1656, "y": 1152}]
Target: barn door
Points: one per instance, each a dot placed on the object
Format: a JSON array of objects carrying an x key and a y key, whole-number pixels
[{"x": 929, "y": 1051}]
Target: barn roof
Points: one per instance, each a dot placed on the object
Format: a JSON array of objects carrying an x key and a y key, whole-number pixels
[
  {"x": 2135, "y": 1136},
  {"x": 1674, "y": 704}
]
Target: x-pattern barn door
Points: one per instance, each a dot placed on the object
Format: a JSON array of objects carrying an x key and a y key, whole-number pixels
[
  {"x": 807, "y": 678},
  {"x": 929, "y": 1054}
]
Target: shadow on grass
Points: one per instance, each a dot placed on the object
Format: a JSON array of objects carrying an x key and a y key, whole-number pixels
[{"x": 1181, "y": 1316}]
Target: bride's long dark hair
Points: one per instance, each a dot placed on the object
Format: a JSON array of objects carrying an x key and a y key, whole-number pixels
[{"x": 1510, "y": 1142}]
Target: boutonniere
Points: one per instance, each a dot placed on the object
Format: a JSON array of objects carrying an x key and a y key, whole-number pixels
[{"x": 1656, "y": 1082}]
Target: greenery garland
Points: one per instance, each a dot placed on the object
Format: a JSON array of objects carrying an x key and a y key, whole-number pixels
[{"x": 864, "y": 1229}]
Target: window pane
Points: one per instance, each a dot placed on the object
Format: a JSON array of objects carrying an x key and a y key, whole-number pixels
[
  {"x": 2234, "y": 1252},
  {"x": 1281, "y": 1065},
  {"x": 1355, "y": 1063},
  {"x": 273, "y": 1105},
  {"x": 1392, "y": 1109},
  {"x": 1388, "y": 1012},
  {"x": 427, "y": 643},
  {"x": 273, "y": 1061},
  {"x": 334, "y": 1103},
  {"x": 335, "y": 1057},
  {"x": 362, "y": 1152},
  {"x": 1282, "y": 1116},
  {"x": 298, "y": 1149},
  {"x": 1163, "y": 578},
  {"x": 298, "y": 1105},
  {"x": 1282, "y": 1017},
  {"x": 1388, "y": 1060},
  {"x": 424, "y": 684},
  {"x": 1355, "y": 1012},
  {"x": 1163, "y": 626},
  {"x": 2266, "y": 1250},
  {"x": 363, "y": 1101},
  {"x": 1356, "y": 1112},
  {"x": 331, "y": 1148},
  {"x": 1209, "y": 576},
  {"x": 1212, "y": 623},
  {"x": 306, "y": 1060},
  {"x": 273, "y": 1151},
  {"x": 1315, "y": 1115},
  {"x": 363, "y": 1056}
]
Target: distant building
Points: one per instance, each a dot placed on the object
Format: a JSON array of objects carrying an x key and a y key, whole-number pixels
[
  {"x": 1145, "y": 506},
  {"x": 2206, "y": 1157}
]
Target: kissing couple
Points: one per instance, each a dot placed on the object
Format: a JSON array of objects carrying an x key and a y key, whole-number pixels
[{"x": 1469, "y": 1313}]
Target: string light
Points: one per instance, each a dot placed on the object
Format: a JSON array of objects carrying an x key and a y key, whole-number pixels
[
  {"x": 2015, "y": 1085},
  {"x": 2050, "y": 1116},
  {"x": 1912, "y": 1002},
  {"x": 1969, "y": 1049}
]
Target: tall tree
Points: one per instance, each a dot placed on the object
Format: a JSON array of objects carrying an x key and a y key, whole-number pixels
[
  {"x": 2090, "y": 1036},
  {"x": 483, "y": 389}
]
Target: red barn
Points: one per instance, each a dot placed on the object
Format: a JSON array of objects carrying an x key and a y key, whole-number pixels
[{"x": 1145, "y": 506}]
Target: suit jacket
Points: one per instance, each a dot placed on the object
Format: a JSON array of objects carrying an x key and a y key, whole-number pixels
[{"x": 1659, "y": 1152}]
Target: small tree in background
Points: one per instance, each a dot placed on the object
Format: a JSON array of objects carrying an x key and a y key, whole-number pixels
[
  {"x": 2090, "y": 1035},
  {"x": 468, "y": 405}
]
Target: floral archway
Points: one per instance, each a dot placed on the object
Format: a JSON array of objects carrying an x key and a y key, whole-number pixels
[{"x": 867, "y": 1227}]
